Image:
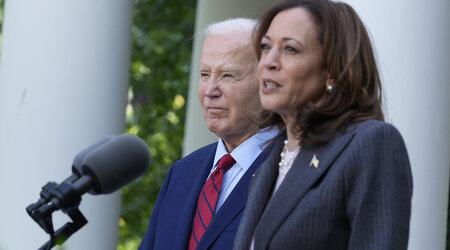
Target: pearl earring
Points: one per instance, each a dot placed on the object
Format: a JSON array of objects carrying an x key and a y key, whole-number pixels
[{"x": 329, "y": 88}]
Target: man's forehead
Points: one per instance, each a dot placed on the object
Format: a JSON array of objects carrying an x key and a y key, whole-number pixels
[
  {"x": 227, "y": 60},
  {"x": 224, "y": 64},
  {"x": 227, "y": 43}
]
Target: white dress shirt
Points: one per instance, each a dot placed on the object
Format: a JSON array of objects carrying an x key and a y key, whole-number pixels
[{"x": 244, "y": 155}]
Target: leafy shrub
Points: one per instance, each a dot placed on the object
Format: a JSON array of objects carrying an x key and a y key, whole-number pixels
[{"x": 159, "y": 79}]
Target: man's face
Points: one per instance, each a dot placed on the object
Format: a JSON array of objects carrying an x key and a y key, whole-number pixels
[{"x": 228, "y": 89}]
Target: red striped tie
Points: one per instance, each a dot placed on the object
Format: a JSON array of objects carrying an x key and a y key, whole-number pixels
[{"x": 207, "y": 200}]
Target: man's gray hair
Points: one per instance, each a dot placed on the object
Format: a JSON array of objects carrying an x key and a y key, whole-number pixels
[{"x": 232, "y": 25}]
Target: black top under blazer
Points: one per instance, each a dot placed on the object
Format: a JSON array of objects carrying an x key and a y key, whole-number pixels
[{"x": 358, "y": 197}]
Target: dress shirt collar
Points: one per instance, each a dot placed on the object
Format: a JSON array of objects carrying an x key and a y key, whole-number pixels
[{"x": 247, "y": 151}]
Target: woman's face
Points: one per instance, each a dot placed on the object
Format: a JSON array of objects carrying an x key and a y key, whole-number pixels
[{"x": 290, "y": 70}]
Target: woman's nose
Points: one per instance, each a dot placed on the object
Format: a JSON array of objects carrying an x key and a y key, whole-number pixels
[{"x": 270, "y": 60}]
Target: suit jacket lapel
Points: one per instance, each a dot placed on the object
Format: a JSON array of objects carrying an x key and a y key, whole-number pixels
[
  {"x": 296, "y": 184},
  {"x": 263, "y": 183},
  {"x": 233, "y": 205},
  {"x": 203, "y": 168},
  {"x": 259, "y": 193}
]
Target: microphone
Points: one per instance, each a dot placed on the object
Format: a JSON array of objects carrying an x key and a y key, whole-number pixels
[
  {"x": 79, "y": 158},
  {"x": 117, "y": 163},
  {"x": 101, "y": 168},
  {"x": 47, "y": 190},
  {"x": 107, "y": 168}
]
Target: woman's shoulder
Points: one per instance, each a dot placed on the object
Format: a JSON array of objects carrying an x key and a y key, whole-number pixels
[
  {"x": 375, "y": 142},
  {"x": 373, "y": 127},
  {"x": 375, "y": 134}
]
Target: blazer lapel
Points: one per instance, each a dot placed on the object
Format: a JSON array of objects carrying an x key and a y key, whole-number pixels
[
  {"x": 259, "y": 193},
  {"x": 263, "y": 181},
  {"x": 233, "y": 205},
  {"x": 296, "y": 184},
  {"x": 203, "y": 168}
]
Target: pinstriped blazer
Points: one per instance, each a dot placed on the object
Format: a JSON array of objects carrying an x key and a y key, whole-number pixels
[{"x": 359, "y": 196}]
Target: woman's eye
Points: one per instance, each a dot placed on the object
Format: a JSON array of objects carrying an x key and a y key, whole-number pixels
[
  {"x": 265, "y": 46},
  {"x": 290, "y": 49},
  {"x": 203, "y": 74}
]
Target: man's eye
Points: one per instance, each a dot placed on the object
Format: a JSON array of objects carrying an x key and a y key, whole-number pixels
[
  {"x": 227, "y": 76},
  {"x": 203, "y": 74}
]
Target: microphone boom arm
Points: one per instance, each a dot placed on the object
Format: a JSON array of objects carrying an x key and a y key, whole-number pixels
[
  {"x": 101, "y": 168},
  {"x": 62, "y": 234},
  {"x": 68, "y": 199}
]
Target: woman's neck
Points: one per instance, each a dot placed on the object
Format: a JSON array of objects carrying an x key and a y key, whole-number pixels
[
  {"x": 293, "y": 139},
  {"x": 293, "y": 133}
]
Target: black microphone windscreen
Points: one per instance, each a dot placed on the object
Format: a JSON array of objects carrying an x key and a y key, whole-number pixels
[
  {"x": 116, "y": 163},
  {"x": 79, "y": 158}
]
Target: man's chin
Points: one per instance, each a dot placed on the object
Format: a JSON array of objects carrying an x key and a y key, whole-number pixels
[{"x": 216, "y": 129}]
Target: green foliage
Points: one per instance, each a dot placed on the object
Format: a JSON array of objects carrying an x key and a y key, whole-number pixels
[{"x": 159, "y": 81}]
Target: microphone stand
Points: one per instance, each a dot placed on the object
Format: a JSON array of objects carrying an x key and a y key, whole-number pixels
[{"x": 53, "y": 197}]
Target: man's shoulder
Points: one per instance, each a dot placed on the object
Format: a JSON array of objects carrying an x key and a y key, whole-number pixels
[{"x": 200, "y": 153}]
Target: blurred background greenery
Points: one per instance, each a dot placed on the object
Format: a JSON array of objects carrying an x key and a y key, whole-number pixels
[{"x": 159, "y": 79}]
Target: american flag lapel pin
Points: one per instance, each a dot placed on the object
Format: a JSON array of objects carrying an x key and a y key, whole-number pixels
[{"x": 314, "y": 161}]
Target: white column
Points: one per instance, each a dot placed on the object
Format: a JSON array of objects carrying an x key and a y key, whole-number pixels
[
  {"x": 63, "y": 84},
  {"x": 196, "y": 133},
  {"x": 412, "y": 40}
]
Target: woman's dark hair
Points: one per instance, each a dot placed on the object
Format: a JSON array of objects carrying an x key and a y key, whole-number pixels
[{"x": 348, "y": 57}]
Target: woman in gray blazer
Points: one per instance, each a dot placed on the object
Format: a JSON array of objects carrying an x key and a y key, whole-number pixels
[{"x": 338, "y": 176}]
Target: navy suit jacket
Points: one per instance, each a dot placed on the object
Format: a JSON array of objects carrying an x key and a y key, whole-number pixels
[
  {"x": 171, "y": 221},
  {"x": 357, "y": 196}
]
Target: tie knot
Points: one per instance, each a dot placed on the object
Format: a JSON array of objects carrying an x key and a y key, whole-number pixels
[{"x": 226, "y": 162}]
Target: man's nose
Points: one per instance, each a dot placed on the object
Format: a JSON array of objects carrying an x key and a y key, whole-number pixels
[{"x": 213, "y": 87}]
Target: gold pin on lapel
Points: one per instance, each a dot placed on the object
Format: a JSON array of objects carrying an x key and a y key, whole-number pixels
[{"x": 314, "y": 161}]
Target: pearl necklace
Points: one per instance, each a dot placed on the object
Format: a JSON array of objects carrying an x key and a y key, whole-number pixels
[{"x": 287, "y": 158}]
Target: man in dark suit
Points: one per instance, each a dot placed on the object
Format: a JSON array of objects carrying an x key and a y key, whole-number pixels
[{"x": 228, "y": 92}]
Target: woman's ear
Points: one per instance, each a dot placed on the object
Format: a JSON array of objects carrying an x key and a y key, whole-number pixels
[{"x": 329, "y": 84}]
